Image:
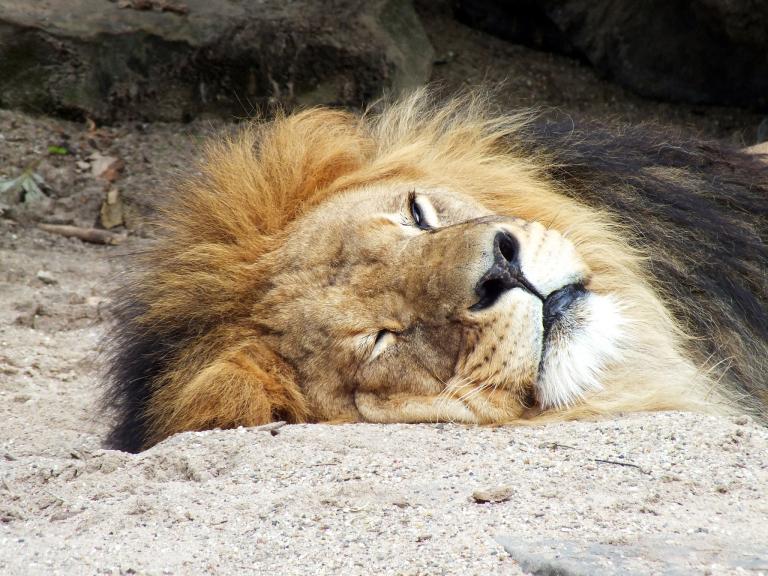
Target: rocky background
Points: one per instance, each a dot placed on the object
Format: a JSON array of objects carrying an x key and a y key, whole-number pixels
[
  {"x": 174, "y": 60},
  {"x": 105, "y": 103}
]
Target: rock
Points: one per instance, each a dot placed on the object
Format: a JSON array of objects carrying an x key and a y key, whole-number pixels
[
  {"x": 92, "y": 58},
  {"x": 29, "y": 312},
  {"x": 9, "y": 513},
  {"x": 761, "y": 148},
  {"x": 111, "y": 212},
  {"x": 762, "y": 131},
  {"x": 521, "y": 21},
  {"x": 493, "y": 494},
  {"x": 650, "y": 556},
  {"x": 742, "y": 419},
  {"x": 704, "y": 51},
  {"x": 160, "y": 5}
]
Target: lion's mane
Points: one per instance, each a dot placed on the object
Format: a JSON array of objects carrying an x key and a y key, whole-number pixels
[{"x": 677, "y": 223}]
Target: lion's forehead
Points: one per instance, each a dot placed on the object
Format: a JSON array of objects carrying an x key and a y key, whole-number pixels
[{"x": 360, "y": 228}]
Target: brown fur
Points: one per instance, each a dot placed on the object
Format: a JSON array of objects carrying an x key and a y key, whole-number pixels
[{"x": 243, "y": 311}]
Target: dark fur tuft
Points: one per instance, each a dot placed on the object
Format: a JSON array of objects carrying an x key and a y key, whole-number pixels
[
  {"x": 138, "y": 356},
  {"x": 699, "y": 211}
]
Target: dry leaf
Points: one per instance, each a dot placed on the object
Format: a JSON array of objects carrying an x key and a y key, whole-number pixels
[{"x": 106, "y": 167}]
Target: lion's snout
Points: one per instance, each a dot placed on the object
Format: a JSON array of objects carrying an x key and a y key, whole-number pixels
[
  {"x": 506, "y": 273},
  {"x": 547, "y": 261},
  {"x": 475, "y": 263},
  {"x": 559, "y": 302}
]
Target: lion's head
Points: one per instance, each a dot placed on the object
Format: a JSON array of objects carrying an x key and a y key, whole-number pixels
[
  {"x": 412, "y": 265},
  {"x": 410, "y": 302}
]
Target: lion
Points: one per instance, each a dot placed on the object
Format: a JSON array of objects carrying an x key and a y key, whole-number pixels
[{"x": 436, "y": 261}]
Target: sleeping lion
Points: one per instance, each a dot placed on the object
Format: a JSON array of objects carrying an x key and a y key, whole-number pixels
[{"x": 441, "y": 262}]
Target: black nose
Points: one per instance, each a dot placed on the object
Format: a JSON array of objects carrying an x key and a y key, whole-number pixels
[
  {"x": 558, "y": 302},
  {"x": 504, "y": 274}
]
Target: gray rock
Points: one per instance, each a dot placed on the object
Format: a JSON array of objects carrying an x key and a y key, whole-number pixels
[
  {"x": 671, "y": 556},
  {"x": 704, "y": 51},
  {"x": 46, "y": 277},
  {"x": 93, "y": 58}
]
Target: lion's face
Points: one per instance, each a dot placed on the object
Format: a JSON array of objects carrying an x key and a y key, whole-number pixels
[{"x": 397, "y": 302}]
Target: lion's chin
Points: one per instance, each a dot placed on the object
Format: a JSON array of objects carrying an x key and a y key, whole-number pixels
[{"x": 579, "y": 349}]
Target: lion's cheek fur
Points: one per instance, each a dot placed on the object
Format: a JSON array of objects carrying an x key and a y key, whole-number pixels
[
  {"x": 503, "y": 345},
  {"x": 245, "y": 385}
]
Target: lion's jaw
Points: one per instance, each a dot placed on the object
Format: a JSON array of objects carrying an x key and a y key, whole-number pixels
[
  {"x": 580, "y": 349},
  {"x": 380, "y": 318},
  {"x": 540, "y": 370}
]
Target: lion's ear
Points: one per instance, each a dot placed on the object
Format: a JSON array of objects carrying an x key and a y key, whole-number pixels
[{"x": 247, "y": 386}]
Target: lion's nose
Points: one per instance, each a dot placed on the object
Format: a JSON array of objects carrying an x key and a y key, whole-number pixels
[{"x": 504, "y": 274}]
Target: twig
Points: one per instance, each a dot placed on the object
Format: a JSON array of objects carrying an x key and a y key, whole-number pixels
[
  {"x": 627, "y": 464},
  {"x": 129, "y": 254},
  {"x": 319, "y": 464},
  {"x": 270, "y": 427},
  {"x": 556, "y": 445},
  {"x": 92, "y": 235}
]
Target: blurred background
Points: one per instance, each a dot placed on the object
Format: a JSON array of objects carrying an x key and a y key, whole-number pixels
[{"x": 102, "y": 100}]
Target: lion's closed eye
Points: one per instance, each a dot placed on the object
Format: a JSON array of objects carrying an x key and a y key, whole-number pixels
[{"x": 379, "y": 342}]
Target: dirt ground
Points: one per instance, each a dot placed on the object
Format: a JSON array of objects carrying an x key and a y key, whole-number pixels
[{"x": 644, "y": 494}]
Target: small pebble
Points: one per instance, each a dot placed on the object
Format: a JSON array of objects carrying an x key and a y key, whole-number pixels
[
  {"x": 46, "y": 277},
  {"x": 494, "y": 494}
]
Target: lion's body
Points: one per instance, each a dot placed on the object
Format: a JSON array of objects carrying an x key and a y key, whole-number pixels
[{"x": 244, "y": 310}]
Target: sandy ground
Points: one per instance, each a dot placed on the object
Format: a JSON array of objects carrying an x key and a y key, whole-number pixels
[{"x": 643, "y": 494}]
